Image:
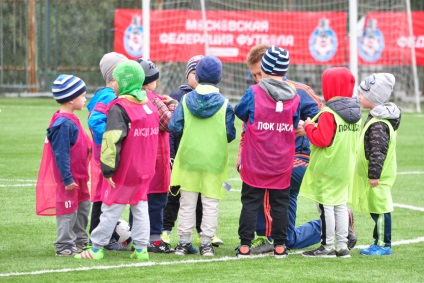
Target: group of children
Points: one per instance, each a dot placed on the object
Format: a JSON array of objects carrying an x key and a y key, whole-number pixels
[{"x": 131, "y": 154}]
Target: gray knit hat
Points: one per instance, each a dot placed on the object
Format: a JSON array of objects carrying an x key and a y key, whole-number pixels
[
  {"x": 377, "y": 88},
  {"x": 108, "y": 63},
  {"x": 150, "y": 70}
]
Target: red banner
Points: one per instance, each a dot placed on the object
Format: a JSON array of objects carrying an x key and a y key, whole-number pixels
[
  {"x": 310, "y": 37},
  {"x": 177, "y": 35}
]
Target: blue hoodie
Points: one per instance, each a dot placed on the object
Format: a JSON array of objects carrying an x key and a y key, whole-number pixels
[
  {"x": 203, "y": 102},
  {"x": 97, "y": 120}
]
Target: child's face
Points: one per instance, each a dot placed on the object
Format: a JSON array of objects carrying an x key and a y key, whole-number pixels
[
  {"x": 151, "y": 86},
  {"x": 365, "y": 103},
  {"x": 78, "y": 103},
  {"x": 192, "y": 79},
  {"x": 114, "y": 85}
]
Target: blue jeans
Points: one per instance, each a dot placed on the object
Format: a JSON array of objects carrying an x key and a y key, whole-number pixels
[{"x": 301, "y": 236}]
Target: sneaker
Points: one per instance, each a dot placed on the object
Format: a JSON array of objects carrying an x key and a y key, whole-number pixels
[
  {"x": 216, "y": 242},
  {"x": 165, "y": 237},
  {"x": 81, "y": 248},
  {"x": 90, "y": 254},
  {"x": 206, "y": 250},
  {"x": 280, "y": 251},
  {"x": 67, "y": 251},
  {"x": 320, "y": 252},
  {"x": 142, "y": 255},
  {"x": 186, "y": 248},
  {"x": 115, "y": 246},
  {"x": 343, "y": 253},
  {"x": 160, "y": 247},
  {"x": 243, "y": 251},
  {"x": 376, "y": 250},
  {"x": 262, "y": 245},
  {"x": 351, "y": 236}
]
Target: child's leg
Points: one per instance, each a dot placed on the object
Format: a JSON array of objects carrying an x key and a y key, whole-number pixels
[
  {"x": 141, "y": 225},
  {"x": 199, "y": 214},
  {"x": 209, "y": 220},
  {"x": 96, "y": 210},
  {"x": 80, "y": 227},
  {"x": 65, "y": 234},
  {"x": 342, "y": 226},
  {"x": 156, "y": 204},
  {"x": 279, "y": 201},
  {"x": 100, "y": 236},
  {"x": 382, "y": 229},
  {"x": 170, "y": 212},
  {"x": 328, "y": 225},
  {"x": 187, "y": 215},
  {"x": 251, "y": 200}
]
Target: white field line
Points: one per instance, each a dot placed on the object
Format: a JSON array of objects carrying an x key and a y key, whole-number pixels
[{"x": 192, "y": 261}]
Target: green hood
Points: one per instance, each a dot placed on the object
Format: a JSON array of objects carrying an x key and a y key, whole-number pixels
[{"x": 130, "y": 77}]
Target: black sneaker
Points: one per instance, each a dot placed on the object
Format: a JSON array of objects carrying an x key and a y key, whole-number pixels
[
  {"x": 343, "y": 253},
  {"x": 184, "y": 249},
  {"x": 67, "y": 251},
  {"x": 280, "y": 251},
  {"x": 320, "y": 252},
  {"x": 206, "y": 250},
  {"x": 160, "y": 247},
  {"x": 351, "y": 236},
  {"x": 115, "y": 246},
  {"x": 243, "y": 251}
]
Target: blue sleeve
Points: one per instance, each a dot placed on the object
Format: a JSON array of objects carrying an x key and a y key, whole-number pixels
[
  {"x": 308, "y": 106},
  {"x": 176, "y": 125},
  {"x": 244, "y": 110},
  {"x": 97, "y": 125},
  {"x": 229, "y": 123},
  {"x": 62, "y": 136},
  {"x": 296, "y": 117}
]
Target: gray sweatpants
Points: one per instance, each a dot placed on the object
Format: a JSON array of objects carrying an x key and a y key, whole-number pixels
[
  {"x": 334, "y": 222},
  {"x": 71, "y": 228},
  {"x": 140, "y": 230},
  {"x": 187, "y": 217}
]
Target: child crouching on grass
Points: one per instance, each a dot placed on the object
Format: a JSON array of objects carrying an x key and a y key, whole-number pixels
[
  {"x": 128, "y": 157},
  {"x": 62, "y": 189},
  {"x": 375, "y": 171}
]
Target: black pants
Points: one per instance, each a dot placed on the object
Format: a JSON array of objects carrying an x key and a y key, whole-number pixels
[
  {"x": 170, "y": 213},
  {"x": 251, "y": 199},
  {"x": 96, "y": 211}
]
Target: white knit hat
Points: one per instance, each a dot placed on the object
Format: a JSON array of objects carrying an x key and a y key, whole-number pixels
[{"x": 377, "y": 88}]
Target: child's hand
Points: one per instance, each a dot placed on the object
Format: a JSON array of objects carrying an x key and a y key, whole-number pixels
[
  {"x": 70, "y": 187},
  {"x": 374, "y": 182},
  {"x": 166, "y": 99},
  {"x": 111, "y": 182},
  {"x": 308, "y": 121},
  {"x": 300, "y": 130}
]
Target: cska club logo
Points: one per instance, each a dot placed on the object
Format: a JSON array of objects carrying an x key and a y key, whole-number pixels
[
  {"x": 133, "y": 38},
  {"x": 323, "y": 42}
]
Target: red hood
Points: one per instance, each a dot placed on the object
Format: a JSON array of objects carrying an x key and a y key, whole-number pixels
[{"x": 337, "y": 81}]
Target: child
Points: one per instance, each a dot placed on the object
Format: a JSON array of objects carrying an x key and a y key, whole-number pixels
[
  {"x": 170, "y": 211},
  {"x": 329, "y": 174},
  {"x": 270, "y": 113},
  {"x": 129, "y": 149},
  {"x": 375, "y": 170},
  {"x": 97, "y": 108},
  {"x": 158, "y": 190},
  {"x": 206, "y": 121},
  {"x": 62, "y": 188}
]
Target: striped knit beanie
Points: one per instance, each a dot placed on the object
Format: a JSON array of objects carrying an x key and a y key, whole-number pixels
[
  {"x": 67, "y": 87},
  {"x": 192, "y": 63},
  {"x": 275, "y": 61}
]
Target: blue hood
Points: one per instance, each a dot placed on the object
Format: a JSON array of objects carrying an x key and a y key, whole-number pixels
[
  {"x": 103, "y": 95},
  {"x": 204, "y": 105}
]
